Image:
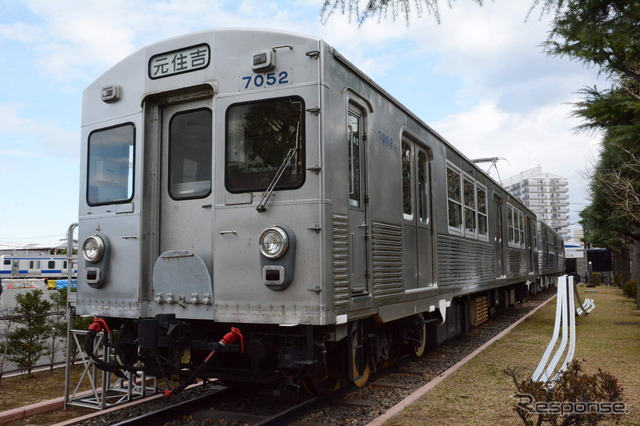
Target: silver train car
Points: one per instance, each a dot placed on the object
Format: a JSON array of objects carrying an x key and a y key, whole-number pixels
[
  {"x": 551, "y": 254},
  {"x": 255, "y": 208}
]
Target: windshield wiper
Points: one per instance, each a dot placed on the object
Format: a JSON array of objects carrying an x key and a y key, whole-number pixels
[{"x": 267, "y": 194}]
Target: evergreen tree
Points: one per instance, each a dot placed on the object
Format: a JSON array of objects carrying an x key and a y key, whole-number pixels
[
  {"x": 7, "y": 322},
  {"x": 29, "y": 341},
  {"x": 58, "y": 325},
  {"x": 607, "y": 34},
  {"x": 600, "y": 33},
  {"x": 603, "y": 33}
]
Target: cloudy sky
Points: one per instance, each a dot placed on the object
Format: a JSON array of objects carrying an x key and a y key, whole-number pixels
[{"x": 479, "y": 78}]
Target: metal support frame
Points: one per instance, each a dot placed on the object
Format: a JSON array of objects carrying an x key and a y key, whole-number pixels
[{"x": 106, "y": 391}]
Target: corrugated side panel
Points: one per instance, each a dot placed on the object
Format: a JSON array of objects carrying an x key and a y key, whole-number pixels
[
  {"x": 464, "y": 261},
  {"x": 340, "y": 262},
  {"x": 516, "y": 263},
  {"x": 387, "y": 260},
  {"x": 545, "y": 263}
]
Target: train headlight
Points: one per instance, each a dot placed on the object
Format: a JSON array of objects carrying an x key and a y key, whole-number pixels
[
  {"x": 273, "y": 242},
  {"x": 93, "y": 249}
]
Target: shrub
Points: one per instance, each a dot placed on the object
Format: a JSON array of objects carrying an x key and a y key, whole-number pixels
[
  {"x": 630, "y": 288},
  {"x": 617, "y": 279},
  {"x": 564, "y": 403},
  {"x": 596, "y": 278}
]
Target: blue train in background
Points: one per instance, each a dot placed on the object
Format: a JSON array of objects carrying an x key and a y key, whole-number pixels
[{"x": 16, "y": 268}]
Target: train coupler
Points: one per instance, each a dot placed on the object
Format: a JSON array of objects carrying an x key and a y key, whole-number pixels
[{"x": 229, "y": 338}]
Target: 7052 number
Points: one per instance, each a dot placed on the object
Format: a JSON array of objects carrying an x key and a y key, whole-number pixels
[{"x": 270, "y": 79}]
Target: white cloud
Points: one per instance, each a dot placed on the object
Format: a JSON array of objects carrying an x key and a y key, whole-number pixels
[
  {"x": 10, "y": 121},
  {"x": 482, "y": 69},
  {"x": 79, "y": 38},
  {"x": 544, "y": 136},
  {"x": 6, "y": 153},
  {"x": 19, "y": 31},
  {"x": 47, "y": 138}
]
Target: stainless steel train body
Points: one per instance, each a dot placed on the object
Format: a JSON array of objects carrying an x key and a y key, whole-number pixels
[
  {"x": 257, "y": 179},
  {"x": 551, "y": 253}
]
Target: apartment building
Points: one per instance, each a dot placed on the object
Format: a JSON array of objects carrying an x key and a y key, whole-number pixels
[{"x": 544, "y": 193}]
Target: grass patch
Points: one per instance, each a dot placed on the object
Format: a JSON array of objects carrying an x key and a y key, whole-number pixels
[
  {"x": 19, "y": 391},
  {"x": 479, "y": 393}
]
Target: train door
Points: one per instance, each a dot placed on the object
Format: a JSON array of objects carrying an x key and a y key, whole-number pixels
[
  {"x": 417, "y": 228},
  {"x": 424, "y": 220},
  {"x": 15, "y": 267},
  {"x": 358, "y": 203},
  {"x": 498, "y": 233},
  {"x": 531, "y": 244},
  {"x": 34, "y": 268},
  {"x": 186, "y": 213}
]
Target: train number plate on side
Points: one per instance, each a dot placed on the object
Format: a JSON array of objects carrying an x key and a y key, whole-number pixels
[{"x": 270, "y": 79}]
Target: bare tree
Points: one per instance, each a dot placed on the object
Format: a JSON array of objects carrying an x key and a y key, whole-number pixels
[{"x": 360, "y": 10}]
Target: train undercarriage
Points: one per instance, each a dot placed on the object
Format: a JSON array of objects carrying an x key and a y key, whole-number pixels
[{"x": 317, "y": 359}]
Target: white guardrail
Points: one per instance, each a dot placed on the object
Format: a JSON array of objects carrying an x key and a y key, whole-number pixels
[{"x": 566, "y": 312}]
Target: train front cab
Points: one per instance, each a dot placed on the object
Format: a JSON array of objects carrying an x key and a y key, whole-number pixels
[{"x": 177, "y": 231}]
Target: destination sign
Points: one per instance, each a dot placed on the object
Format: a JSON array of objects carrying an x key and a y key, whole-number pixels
[{"x": 179, "y": 61}]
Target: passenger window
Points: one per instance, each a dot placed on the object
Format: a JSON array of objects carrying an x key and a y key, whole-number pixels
[
  {"x": 423, "y": 187},
  {"x": 264, "y": 140},
  {"x": 515, "y": 223},
  {"x": 407, "y": 197},
  {"x": 469, "y": 207},
  {"x": 521, "y": 228},
  {"x": 482, "y": 212},
  {"x": 51, "y": 264},
  {"x": 453, "y": 193},
  {"x": 353, "y": 141},
  {"x": 510, "y": 224},
  {"x": 110, "y": 166},
  {"x": 190, "y": 144}
]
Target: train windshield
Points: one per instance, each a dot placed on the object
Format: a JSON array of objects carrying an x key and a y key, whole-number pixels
[
  {"x": 260, "y": 135},
  {"x": 110, "y": 169}
]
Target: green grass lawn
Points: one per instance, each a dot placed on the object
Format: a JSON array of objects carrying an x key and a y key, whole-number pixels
[{"x": 480, "y": 393}]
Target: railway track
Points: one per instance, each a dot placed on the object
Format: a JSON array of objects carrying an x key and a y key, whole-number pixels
[{"x": 351, "y": 405}]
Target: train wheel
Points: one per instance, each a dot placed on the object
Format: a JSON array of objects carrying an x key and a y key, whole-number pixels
[
  {"x": 363, "y": 377},
  {"x": 419, "y": 348},
  {"x": 358, "y": 354},
  {"x": 321, "y": 387}
]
